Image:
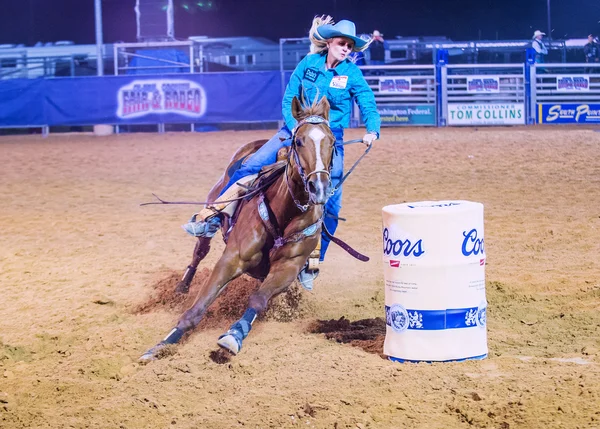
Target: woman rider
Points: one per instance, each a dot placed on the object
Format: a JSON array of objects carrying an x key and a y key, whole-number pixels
[{"x": 327, "y": 70}]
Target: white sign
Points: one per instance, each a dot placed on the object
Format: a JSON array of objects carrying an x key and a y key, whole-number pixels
[
  {"x": 573, "y": 83},
  {"x": 143, "y": 97},
  {"x": 394, "y": 85},
  {"x": 486, "y": 114},
  {"x": 483, "y": 84}
]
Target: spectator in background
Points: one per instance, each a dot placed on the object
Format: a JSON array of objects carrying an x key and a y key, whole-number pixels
[
  {"x": 377, "y": 49},
  {"x": 591, "y": 51},
  {"x": 538, "y": 45}
]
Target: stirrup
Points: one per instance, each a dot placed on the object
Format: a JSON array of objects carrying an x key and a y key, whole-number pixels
[
  {"x": 314, "y": 259},
  {"x": 203, "y": 228}
]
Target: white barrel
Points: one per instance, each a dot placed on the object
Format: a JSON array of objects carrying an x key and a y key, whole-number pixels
[
  {"x": 434, "y": 271},
  {"x": 103, "y": 130}
]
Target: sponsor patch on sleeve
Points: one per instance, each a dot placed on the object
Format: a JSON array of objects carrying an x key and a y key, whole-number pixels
[{"x": 339, "y": 82}]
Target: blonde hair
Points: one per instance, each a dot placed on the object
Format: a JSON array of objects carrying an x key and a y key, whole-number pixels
[{"x": 318, "y": 44}]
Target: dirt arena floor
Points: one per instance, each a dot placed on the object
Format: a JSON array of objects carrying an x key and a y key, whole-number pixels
[{"x": 85, "y": 278}]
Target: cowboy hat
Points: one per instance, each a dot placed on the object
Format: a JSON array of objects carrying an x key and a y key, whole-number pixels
[
  {"x": 538, "y": 33},
  {"x": 376, "y": 33},
  {"x": 344, "y": 28}
]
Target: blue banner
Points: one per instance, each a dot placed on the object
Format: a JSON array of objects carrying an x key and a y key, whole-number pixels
[
  {"x": 21, "y": 102},
  {"x": 568, "y": 113},
  {"x": 407, "y": 114},
  {"x": 176, "y": 98}
]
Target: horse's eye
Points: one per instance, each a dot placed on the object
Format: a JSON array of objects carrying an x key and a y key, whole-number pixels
[{"x": 299, "y": 142}]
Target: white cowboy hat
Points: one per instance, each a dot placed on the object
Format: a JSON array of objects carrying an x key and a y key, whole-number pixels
[
  {"x": 344, "y": 28},
  {"x": 376, "y": 33},
  {"x": 538, "y": 33}
]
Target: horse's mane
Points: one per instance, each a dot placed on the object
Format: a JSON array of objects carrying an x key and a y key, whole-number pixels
[{"x": 309, "y": 108}]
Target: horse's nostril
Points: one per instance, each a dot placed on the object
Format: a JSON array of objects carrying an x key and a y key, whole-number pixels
[{"x": 312, "y": 188}]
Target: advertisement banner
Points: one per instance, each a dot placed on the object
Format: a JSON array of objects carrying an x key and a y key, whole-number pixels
[
  {"x": 394, "y": 85},
  {"x": 483, "y": 84},
  {"x": 405, "y": 114},
  {"x": 486, "y": 114},
  {"x": 180, "y": 96},
  {"x": 579, "y": 83},
  {"x": 568, "y": 113},
  {"x": 177, "y": 98}
]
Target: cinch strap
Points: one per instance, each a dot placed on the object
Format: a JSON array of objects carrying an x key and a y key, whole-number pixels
[{"x": 270, "y": 222}]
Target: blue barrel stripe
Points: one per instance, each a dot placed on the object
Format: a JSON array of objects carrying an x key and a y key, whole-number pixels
[{"x": 401, "y": 319}]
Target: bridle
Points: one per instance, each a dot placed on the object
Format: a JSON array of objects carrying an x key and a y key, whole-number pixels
[{"x": 315, "y": 120}]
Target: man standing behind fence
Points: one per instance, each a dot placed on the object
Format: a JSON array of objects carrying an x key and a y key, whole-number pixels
[
  {"x": 377, "y": 49},
  {"x": 591, "y": 51},
  {"x": 540, "y": 49}
]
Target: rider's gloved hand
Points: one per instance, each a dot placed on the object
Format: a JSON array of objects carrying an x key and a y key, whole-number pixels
[{"x": 369, "y": 138}]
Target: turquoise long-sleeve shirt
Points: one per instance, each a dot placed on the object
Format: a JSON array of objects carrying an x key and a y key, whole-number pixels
[{"x": 340, "y": 85}]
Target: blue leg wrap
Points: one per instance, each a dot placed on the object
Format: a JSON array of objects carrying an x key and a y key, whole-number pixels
[
  {"x": 240, "y": 329},
  {"x": 173, "y": 337}
]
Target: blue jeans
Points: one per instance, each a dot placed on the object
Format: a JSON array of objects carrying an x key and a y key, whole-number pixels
[{"x": 267, "y": 154}]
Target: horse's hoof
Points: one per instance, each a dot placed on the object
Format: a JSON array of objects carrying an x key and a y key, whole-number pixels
[
  {"x": 182, "y": 287},
  {"x": 230, "y": 343},
  {"x": 152, "y": 354}
]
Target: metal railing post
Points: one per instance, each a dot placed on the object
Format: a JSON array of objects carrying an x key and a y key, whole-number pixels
[
  {"x": 282, "y": 75},
  {"x": 441, "y": 77},
  {"x": 530, "y": 86}
]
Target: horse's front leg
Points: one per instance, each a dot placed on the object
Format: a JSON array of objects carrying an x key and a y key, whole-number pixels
[
  {"x": 281, "y": 276},
  {"x": 229, "y": 267},
  {"x": 200, "y": 251}
]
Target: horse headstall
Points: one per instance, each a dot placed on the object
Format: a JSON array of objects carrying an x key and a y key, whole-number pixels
[
  {"x": 313, "y": 119},
  {"x": 293, "y": 152}
]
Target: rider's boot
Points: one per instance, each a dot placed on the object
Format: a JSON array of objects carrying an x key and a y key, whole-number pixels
[
  {"x": 207, "y": 222},
  {"x": 203, "y": 224},
  {"x": 310, "y": 271}
]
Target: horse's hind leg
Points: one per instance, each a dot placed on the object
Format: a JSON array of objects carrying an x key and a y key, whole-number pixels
[
  {"x": 200, "y": 251},
  {"x": 202, "y": 246}
]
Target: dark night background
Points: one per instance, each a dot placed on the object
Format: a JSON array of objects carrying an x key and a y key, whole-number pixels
[{"x": 30, "y": 21}]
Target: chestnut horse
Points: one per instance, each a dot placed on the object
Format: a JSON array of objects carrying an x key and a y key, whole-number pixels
[{"x": 276, "y": 229}]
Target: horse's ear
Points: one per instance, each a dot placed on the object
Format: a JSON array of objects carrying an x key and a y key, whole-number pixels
[
  {"x": 297, "y": 110},
  {"x": 322, "y": 108}
]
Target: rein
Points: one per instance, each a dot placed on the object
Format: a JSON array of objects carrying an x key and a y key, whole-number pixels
[
  {"x": 339, "y": 185},
  {"x": 252, "y": 191},
  {"x": 255, "y": 190}
]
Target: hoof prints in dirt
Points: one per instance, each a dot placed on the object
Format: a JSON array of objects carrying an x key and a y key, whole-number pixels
[
  {"x": 368, "y": 334},
  {"x": 220, "y": 356}
]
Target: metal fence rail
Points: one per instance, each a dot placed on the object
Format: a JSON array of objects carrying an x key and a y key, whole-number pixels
[{"x": 424, "y": 95}]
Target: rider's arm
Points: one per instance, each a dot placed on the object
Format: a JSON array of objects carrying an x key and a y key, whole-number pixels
[
  {"x": 366, "y": 103},
  {"x": 294, "y": 88}
]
